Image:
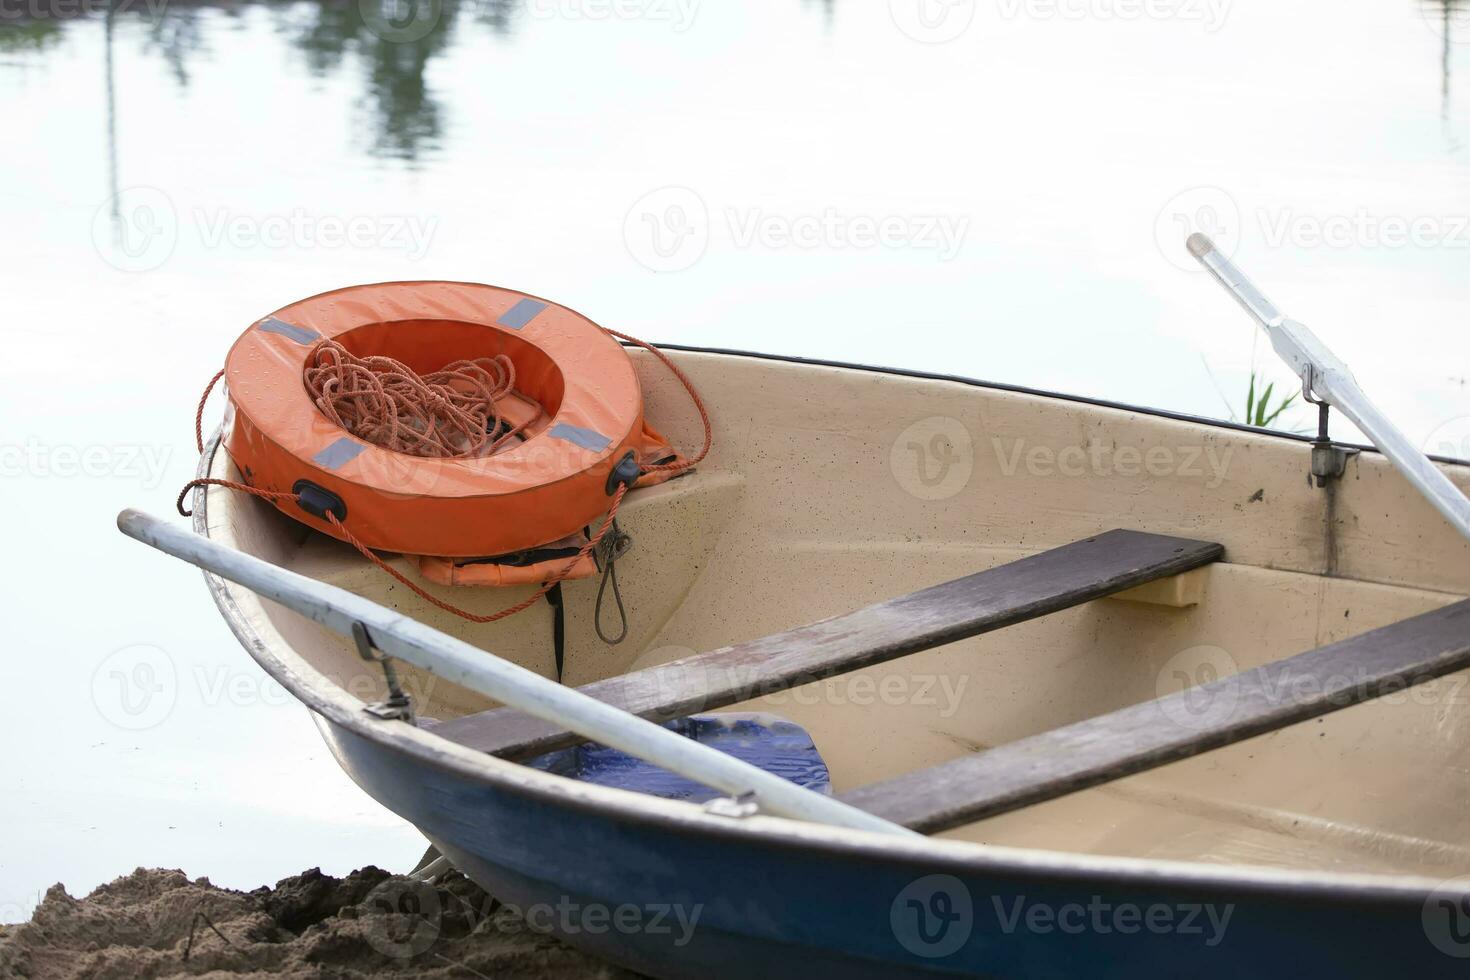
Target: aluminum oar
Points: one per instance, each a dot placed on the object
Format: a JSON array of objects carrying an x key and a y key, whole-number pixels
[{"x": 458, "y": 662}]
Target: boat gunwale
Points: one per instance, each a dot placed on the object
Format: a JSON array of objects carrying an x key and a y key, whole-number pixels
[
  {"x": 970, "y": 382},
  {"x": 319, "y": 694}
]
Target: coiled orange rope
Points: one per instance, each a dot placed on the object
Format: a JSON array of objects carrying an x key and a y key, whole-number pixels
[
  {"x": 447, "y": 414},
  {"x": 426, "y": 415}
]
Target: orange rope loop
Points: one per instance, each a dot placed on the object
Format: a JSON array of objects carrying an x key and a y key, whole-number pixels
[
  {"x": 559, "y": 575},
  {"x": 275, "y": 496},
  {"x": 450, "y": 413},
  {"x": 691, "y": 462},
  {"x": 199, "y": 412}
]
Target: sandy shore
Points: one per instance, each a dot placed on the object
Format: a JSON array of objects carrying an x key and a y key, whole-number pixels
[{"x": 157, "y": 923}]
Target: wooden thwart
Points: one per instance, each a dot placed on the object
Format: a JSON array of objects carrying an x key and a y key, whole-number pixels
[
  {"x": 1193, "y": 721},
  {"x": 1011, "y": 593}
]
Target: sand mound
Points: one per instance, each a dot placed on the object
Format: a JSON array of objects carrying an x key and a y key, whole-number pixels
[{"x": 156, "y": 923}]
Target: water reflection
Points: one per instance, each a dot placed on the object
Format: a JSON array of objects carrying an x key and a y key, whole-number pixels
[
  {"x": 391, "y": 42},
  {"x": 828, "y": 9},
  {"x": 1451, "y": 20},
  {"x": 28, "y": 35},
  {"x": 175, "y": 36}
]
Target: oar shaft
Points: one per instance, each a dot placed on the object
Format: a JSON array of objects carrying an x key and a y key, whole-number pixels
[
  {"x": 1235, "y": 282},
  {"x": 460, "y": 663}
]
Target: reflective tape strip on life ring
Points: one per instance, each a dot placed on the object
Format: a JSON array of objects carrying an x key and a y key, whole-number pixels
[{"x": 540, "y": 490}]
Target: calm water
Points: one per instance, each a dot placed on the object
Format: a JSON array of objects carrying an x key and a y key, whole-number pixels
[{"x": 997, "y": 189}]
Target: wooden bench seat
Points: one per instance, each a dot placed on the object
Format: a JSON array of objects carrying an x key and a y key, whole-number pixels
[
  {"x": 1165, "y": 730},
  {"x": 1011, "y": 593}
]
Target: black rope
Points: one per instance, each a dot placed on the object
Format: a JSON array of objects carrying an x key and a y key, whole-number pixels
[
  {"x": 558, "y": 627},
  {"x": 614, "y": 546}
]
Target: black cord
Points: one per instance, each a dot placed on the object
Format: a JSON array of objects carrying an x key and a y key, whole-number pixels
[
  {"x": 558, "y": 627},
  {"x": 615, "y": 545}
]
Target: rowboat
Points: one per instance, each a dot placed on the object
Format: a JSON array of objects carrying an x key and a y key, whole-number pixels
[{"x": 1101, "y": 690}]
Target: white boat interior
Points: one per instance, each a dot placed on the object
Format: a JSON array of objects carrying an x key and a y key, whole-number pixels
[{"x": 830, "y": 488}]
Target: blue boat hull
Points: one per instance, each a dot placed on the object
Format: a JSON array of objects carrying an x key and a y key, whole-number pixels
[{"x": 693, "y": 900}]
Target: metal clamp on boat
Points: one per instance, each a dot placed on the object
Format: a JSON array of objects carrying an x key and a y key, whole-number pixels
[
  {"x": 1329, "y": 460},
  {"x": 397, "y": 707},
  {"x": 1325, "y": 375}
]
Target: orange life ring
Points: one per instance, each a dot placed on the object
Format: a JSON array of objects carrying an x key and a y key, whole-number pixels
[{"x": 549, "y": 485}]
